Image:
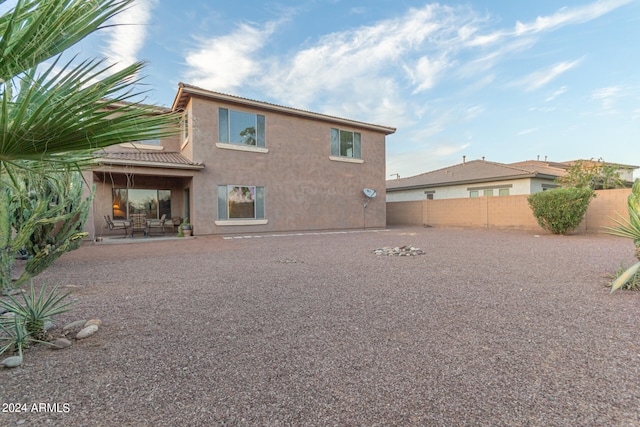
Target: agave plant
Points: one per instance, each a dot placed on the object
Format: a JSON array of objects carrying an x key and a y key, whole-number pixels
[
  {"x": 35, "y": 311},
  {"x": 14, "y": 337},
  {"x": 629, "y": 228}
]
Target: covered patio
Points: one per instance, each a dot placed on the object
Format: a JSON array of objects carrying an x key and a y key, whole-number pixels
[{"x": 140, "y": 194}]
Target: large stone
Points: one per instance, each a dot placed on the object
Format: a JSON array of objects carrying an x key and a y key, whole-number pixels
[
  {"x": 60, "y": 343},
  {"x": 87, "y": 332},
  {"x": 78, "y": 324},
  {"x": 96, "y": 322},
  {"x": 12, "y": 362}
]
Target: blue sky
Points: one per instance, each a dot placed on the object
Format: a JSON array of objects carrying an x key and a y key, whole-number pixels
[{"x": 507, "y": 80}]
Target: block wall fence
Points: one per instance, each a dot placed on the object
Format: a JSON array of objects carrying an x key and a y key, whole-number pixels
[{"x": 502, "y": 212}]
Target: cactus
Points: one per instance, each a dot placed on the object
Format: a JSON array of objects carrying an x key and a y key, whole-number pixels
[{"x": 45, "y": 215}]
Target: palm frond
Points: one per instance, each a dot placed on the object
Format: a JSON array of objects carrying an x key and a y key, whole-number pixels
[
  {"x": 36, "y": 30},
  {"x": 81, "y": 108}
]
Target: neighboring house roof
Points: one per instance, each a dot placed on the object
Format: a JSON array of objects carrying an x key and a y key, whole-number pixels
[
  {"x": 553, "y": 169},
  {"x": 475, "y": 171},
  {"x": 170, "y": 160},
  {"x": 186, "y": 90}
]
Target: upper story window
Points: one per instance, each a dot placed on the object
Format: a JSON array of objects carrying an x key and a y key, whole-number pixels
[
  {"x": 236, "y": 127},
  {"x": 345, "y": 143}
]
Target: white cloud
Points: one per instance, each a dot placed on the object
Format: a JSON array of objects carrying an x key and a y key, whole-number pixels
[
  {"x": 425, "y": 72},
  {"x": 488, "y": 59},
  {"x": 526, "y": 131},
  {"x": 564, "y": 16},
  {"x": 607, "y": 96},
  {"x": 449, "y": 150},
  {"x": 380, "y": 72},
  {"x": 567, "y": 15},
  {"x": 338, "y": 59},
  {"x": 424, "y": 159},
  {"x": 224, "y": 63},
  {"x": 439, "y": 120},
  {"x": 126, "y": 38},
  {"x": 540, "y": 78},
  {"x": 542, "y": 109},
  {"x": 338, "y": 72},
  {"x": 556, "y": 94}
]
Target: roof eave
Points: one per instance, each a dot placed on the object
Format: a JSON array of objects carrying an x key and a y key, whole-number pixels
[
  {"x": 123, "y": 162},
  {"x": 184, "y": 90}
]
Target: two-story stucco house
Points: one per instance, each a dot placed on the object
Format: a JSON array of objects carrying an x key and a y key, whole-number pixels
[{"x": 242, "y": 166}]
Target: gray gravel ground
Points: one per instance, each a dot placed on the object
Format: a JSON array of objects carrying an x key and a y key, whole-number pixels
[{"x": 488, "y": 328}]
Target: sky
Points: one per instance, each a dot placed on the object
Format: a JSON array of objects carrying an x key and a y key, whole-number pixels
[{"x": 504, "y": 80}]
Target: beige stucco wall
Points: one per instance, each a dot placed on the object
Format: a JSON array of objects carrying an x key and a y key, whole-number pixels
[
  {"x": 507, "y": 212},
  {"x": 304, "y": 189}
]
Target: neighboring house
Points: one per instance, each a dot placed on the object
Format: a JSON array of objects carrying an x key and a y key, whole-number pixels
[
  {"x": 483, "y": 178},
  {"x": 243, "y": 166}
]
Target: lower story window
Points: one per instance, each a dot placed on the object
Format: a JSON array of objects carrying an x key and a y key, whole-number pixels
[
  {"x": 240, "y": 202},
  {"x": 152, "y": 203},
  {"x": 473, "y": 193}
]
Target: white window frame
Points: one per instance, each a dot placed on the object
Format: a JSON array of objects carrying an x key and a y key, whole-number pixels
[
  {"x": 336, "y": 148},
  {"x": 223, "y": 206},
  {"x": 224, "y": 130}
]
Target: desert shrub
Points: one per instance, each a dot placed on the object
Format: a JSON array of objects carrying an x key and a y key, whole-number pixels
[{"x": 560, "y": 210}]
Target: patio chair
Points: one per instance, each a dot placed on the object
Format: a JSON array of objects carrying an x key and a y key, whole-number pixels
[
  {"x": 139, "y": 223},
  {"x": 117, "y": 225},
  {"x": 156, "y": 223}
]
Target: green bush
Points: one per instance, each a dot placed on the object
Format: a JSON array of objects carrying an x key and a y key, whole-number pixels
[{"x": 560, "y": 210}]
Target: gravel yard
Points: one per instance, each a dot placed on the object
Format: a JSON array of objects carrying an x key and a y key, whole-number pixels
[{"x": 487, "y": 328}]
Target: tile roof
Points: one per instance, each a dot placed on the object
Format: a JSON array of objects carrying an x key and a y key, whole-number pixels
[
  {"x": 544, "y": 168},
  {"x": 186, "y": 90},
  {"x": 476, "y": 171},
  {"x": 150, "y": 158}
]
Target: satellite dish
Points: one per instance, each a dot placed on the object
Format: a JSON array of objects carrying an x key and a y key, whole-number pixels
[{"x": 369, "y": 193}]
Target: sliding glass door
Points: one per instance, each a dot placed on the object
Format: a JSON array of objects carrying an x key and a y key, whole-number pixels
[{"x": 152, "y": 203}]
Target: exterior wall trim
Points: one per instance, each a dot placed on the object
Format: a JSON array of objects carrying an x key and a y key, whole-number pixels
[
  {"x": 230, "y": 222},
  {"x": 345, "y": 159},
  {"x": 247, "y": 148}
]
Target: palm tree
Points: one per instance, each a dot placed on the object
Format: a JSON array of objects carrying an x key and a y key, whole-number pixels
[{"x": 55, "y": 114}]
